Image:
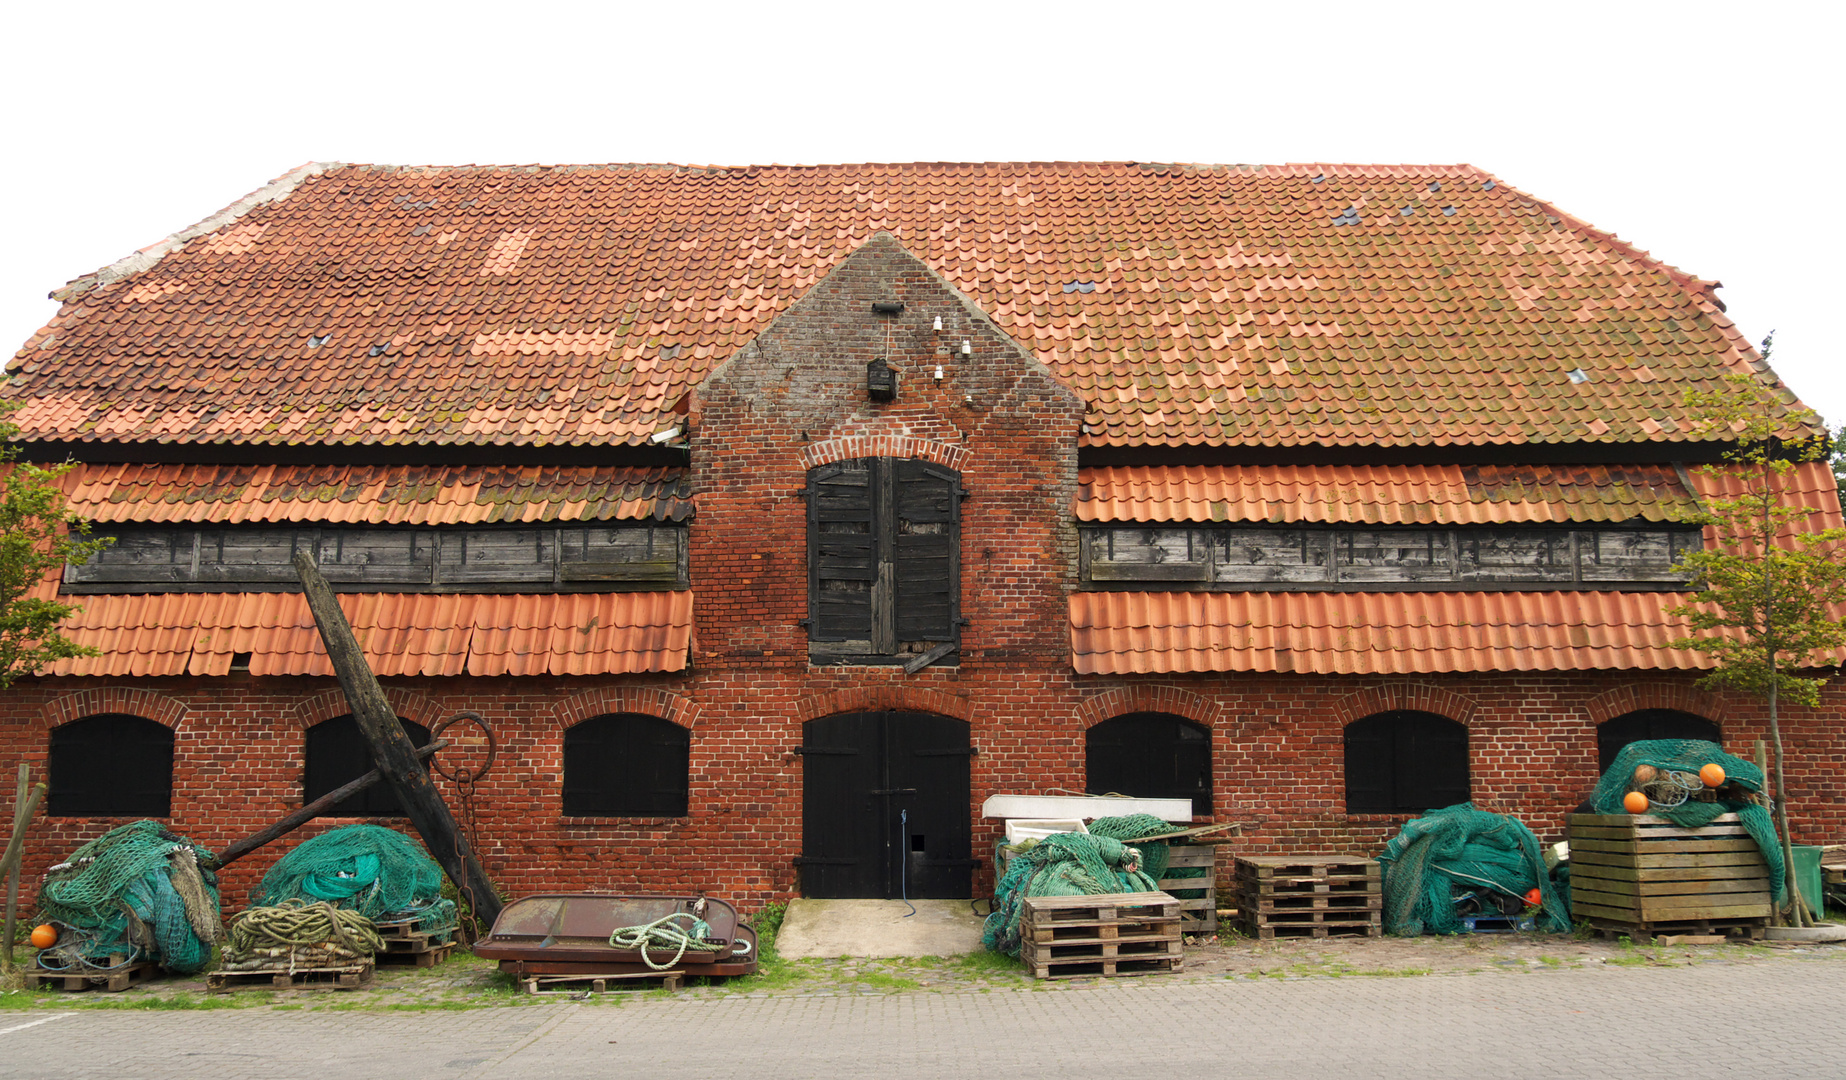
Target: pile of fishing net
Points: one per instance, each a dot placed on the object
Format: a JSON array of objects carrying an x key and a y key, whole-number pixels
[
  {"x": 134, "y": 893},
  {"x": 1458, "y": 859},
  {"x": 298, "y": 935},
  {"x": 377, "y": 872},
  {"x": 1075, "y": 864},
  {"x": 1670, "y": 780}
]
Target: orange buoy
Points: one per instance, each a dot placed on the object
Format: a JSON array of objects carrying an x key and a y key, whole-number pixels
[
  {"x": 44, "y": 936},
  {"x": 1712, "y": 774},
  {"x": 1634, "y": 802},
  {"x": 1534, "y": 898},
  {"x": 1645, "y": 774}
]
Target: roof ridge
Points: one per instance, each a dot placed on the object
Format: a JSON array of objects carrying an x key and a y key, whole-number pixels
[{"x": 147, "y": 257}]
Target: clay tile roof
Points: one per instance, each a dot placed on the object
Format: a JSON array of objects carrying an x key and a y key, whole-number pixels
[
  {"x": 374, "y": 495},
  {"x": 402, "y": 634},
  {"x": 1203, "y": 305},
  {"x": 1397, "y": 633},
  {"x": 1384, "y": 494}
]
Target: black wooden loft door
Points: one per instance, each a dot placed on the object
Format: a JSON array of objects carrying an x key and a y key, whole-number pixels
[{"x": 885, "y": 807}]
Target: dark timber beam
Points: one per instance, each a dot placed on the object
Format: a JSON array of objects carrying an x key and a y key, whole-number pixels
[
  {"x": 308, "y": 813},
  {"x": 392, "y": 749}
]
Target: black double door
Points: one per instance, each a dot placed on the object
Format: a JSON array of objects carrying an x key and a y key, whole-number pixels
[{"x": 885, "y": 807}]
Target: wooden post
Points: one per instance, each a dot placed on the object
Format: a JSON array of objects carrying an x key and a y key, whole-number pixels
[
  {"x": 391, "y": 748},
  {"x": 12, "y": 876},
  {"x": 16, "y": 849},
  {"x": 309, "y": 812}
]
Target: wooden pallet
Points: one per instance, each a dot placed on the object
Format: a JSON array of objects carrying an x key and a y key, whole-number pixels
[
  {"x": 596, "y": 984},
  {"x": 1640, "y": 875},
  {"x": 348, "y": 977},
  {"x": 428, "y": 956},
  {"x": 1199, "y": 914},
  {"x": 114, "y": 981},
  {"x": 1833, "y": 883},
  {"x": 1072, "y": 937},
  {"x": 1309, "y": 896}
]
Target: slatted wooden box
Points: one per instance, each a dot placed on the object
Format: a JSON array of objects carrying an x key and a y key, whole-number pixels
[
  {"x": 1642, "y": 875},
  {"x": 1199, "y": 914},
  {"x": 1312, "y": 896},
  {"x": 1072, "y": 937}
]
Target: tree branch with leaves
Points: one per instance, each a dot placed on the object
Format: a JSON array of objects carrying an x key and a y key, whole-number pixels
[
  {"x": 38, "y": 535},
  {"x": 1770, "y": 596}
]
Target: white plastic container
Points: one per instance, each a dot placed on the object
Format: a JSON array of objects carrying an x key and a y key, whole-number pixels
[
  {"x": 1018, "y": 829},
  {"x": 1087, "y": 807}
]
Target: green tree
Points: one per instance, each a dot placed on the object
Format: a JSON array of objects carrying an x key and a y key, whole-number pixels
[
  {"x": 1769, "y": 595},
  {"x": 38, "y": 534}
]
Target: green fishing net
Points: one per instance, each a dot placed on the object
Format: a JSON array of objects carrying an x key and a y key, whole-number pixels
[
  {"x": 1457, "y": 851},
  {"x": 136, "y": 892},
  {"x": 378, "y": 872},
  {"x": 1074, "y": 864}
]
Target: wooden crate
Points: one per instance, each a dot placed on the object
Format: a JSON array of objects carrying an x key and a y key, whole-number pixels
[
  {"x": 1311, "y": 896},
  {"x": 1198, "y": 915},
  {"x": 120, "y": 977},
  {"x": 1073, "y": 937},
  {"x": 428, "y": 956},
  {"x": 1642, "y": 875}
]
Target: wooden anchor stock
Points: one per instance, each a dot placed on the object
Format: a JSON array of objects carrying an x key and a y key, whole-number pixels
[{"x": 392, "y": 749}]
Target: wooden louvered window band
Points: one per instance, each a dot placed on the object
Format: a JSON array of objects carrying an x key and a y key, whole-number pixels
[
  {"x": 1336, "y": 558},
  {"x": 884, "y": 562},
  {"x": 569, "y": 558}
]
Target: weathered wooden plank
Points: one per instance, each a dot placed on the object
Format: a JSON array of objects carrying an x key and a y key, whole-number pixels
[
  {"x": 1710, "y": 886},
  {"x": 391, "y": 747},
  {"x": 1660, "y": 847},
  {"x": 1589, "y": 872},
  {"x": 1645, "y": 862},
  {"x": 1640, "y": 820},
  {"x": 1591, "y": 832}
]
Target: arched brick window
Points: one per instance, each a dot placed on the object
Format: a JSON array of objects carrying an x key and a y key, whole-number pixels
[
  {"x": 111, "y": 765},
  {"x": 626, "y": 765},
  {"x": 1151, "y": 755},
  {"x": 1612, "y": 735},
  {"x": 1405, "y": 762},
  {"x": 337, "y": 754}
]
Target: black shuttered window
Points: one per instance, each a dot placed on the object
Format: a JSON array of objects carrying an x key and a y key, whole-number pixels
[
  {"x": 1405, "y": 762},
  {"x": 112, "y": 765},
  {"x": 883, "y": 560},
  {"x": 337, "y": 754},
  {"x": 626, "y": 765}
]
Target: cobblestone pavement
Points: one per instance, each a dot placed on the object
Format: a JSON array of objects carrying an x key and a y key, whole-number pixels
[{"x": 1772, "y": 1019}]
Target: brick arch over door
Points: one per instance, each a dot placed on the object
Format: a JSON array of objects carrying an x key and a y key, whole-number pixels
[
  {"x": 327, "y": 704},
  {"x": 1679, "y": 697},
  {"x": 1404, "y": 697},
  {"x": 889, "y": 698},
  {"x": 828, "y": 451},
  {"x": 646, "y": 700},
  {"x": 147, "y": 704},
  {"x": 1138, "y": 699}
]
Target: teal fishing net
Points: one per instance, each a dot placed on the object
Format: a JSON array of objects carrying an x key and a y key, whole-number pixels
[
  {"x": 378, "y": 872},
  {"x": 1459, "y": 852},
  {"x": 1677, "y": 794},
  {"x": 134, "y": 893},
  {"x": 1074, "y": 864}
]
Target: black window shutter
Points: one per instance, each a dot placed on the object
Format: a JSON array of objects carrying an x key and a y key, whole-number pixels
[
  {"x": 626, "y": 765},
  {"x": 1405, "y": 762},
  {"x": 111, "y": 765},
  {"x": 928, "y": 553},
  {"x": 842, "y": 551},
  {"x": 1368, "y": 766},
  {"x": 1612, "y": 735}
]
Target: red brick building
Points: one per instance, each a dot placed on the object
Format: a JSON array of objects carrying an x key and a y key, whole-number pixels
[{"x": 775, "y": 517}]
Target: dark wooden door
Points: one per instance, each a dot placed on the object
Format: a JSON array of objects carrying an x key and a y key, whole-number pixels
[{"x": 885, "y": 807}]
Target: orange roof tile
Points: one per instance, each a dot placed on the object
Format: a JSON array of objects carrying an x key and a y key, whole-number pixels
[
  {"x": 402, "y": 634},
  {"x": 1397, "y": 633},
  {"x": 1805, "y": 484},
  {"x": 1383, "y": 494},
  {"x": 374, "y": 495},
  {"x": 1205, "y": 305}
]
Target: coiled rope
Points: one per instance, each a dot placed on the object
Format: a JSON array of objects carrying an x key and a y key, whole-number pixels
[
  {"x": 295, "y": 923},
  {"x": 664, "y": 933}
]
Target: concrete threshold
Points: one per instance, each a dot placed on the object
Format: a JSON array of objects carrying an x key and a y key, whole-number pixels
[{"x": 878, "y": 928}]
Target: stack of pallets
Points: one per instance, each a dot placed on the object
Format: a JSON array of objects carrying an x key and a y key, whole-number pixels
[
  {"x": 405, "y": 944},
  {"x": 331, "y": 977},
  {"x": 1640, "y": 875},
  {"x": 1309, "y": 896},
  {"x": 1198, "y": 915},
  {"x": 1074, "y": 937}
]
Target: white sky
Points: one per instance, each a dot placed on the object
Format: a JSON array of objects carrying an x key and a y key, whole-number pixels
[{"x": 1707, "y": 134}]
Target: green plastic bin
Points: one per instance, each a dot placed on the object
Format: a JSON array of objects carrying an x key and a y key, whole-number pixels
[{"x": 1807, "y": 876}]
